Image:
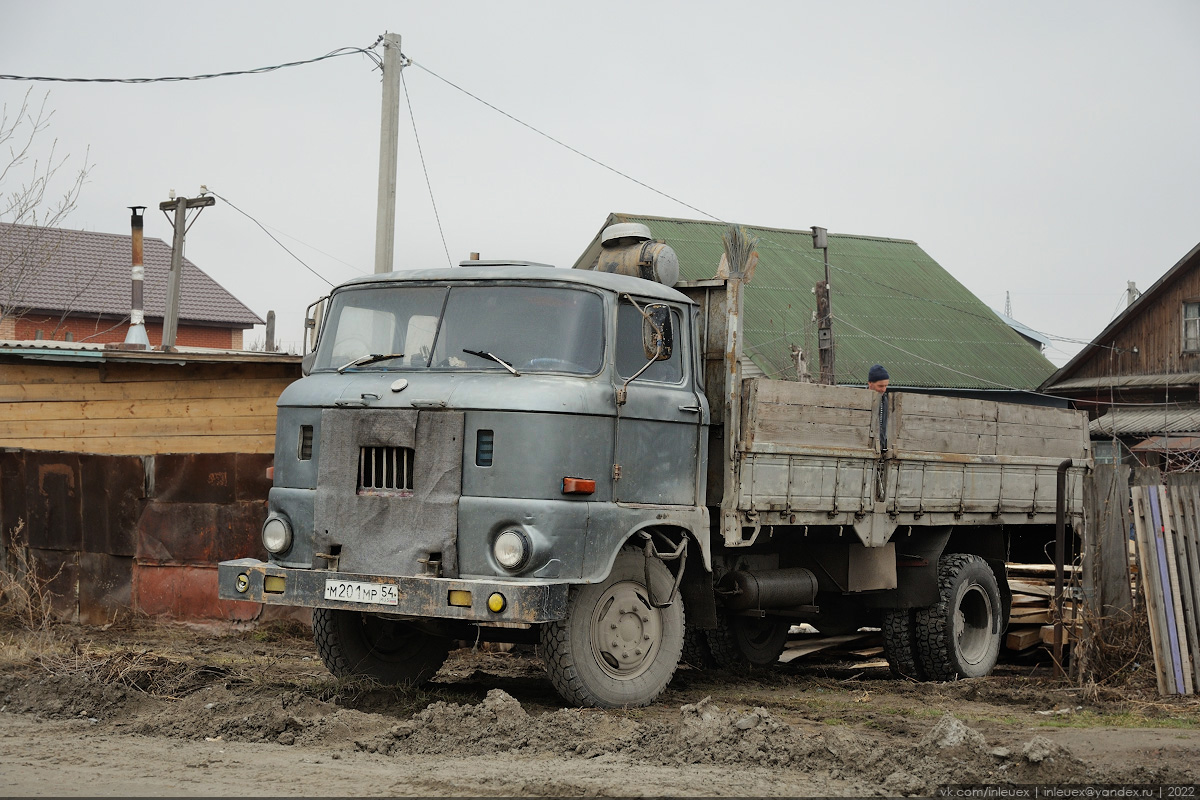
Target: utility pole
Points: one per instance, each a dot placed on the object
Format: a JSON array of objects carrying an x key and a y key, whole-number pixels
[
  {"x": 824, "y": 311},
  {"x": 389, "y": 124},
  {"x": 179, "y": 206}
]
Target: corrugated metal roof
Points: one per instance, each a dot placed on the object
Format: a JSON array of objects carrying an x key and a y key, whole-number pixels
[
  {"x": 1168, "y": 444},
  {"x": 89, "y": 273},
  {"x": 1145, "y": 420},
  {"x": 892, "y": 305},
  {"x": 1162, "y": 379},
  {"x": 44, "y": 350}
]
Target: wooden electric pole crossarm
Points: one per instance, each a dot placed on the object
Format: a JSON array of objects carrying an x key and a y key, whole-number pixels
[
  {"x": 188, "y": 202},
  {"x": 180, "y": 206}
]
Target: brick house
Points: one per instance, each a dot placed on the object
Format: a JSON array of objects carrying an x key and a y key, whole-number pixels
[{"x": 66, "y": 285}]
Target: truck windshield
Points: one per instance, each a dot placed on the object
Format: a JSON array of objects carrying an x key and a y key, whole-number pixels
[{"x": 541, "y": 329}]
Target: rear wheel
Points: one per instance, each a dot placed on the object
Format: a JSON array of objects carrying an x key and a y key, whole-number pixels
[
  {"x": 390, "y": 651},
  {"x": 739, "y": 642},
  {"x": 959, "y": 636},
  {"x": 614, "y": 648},
  {"x": 900, "y": 643}
]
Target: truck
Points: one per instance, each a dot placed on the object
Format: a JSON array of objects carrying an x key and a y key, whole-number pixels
[{"x": 572, "y": 458}]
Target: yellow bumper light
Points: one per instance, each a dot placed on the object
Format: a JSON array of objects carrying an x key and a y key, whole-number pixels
[
  {"x": 274, "y": 584},
  {"x": 496, "y": 602},
  {"x": 459, "y": 597}
]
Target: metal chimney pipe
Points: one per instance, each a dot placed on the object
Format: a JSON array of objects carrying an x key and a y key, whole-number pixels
[{"x": 135, "y": 337}]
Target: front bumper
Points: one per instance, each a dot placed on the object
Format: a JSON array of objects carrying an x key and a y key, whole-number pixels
[{"x": 247, "y": 579}]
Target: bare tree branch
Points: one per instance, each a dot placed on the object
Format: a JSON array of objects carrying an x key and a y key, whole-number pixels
[{"x": 38, "y": 193}]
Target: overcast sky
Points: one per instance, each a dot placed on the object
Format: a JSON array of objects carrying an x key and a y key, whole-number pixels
[{"x": 1050, "y": 150}]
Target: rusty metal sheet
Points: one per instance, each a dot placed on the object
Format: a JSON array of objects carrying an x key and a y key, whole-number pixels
[
  {"x": 178, "y": 533},
  {"x": 105, "y": 587},
  {"x": 113, "y": 492},
  {"x": 185, "y": 592},
  {"x": 195, "y": 478},
  {"x": 198, "y": 533},
  {"x": 12, "y": 493},
  {"x": 252, "y": 482},
  {"x": 58, "y": 572},
  {"x": 239, "y": 534},
  {"x": 53, "y": 495}
]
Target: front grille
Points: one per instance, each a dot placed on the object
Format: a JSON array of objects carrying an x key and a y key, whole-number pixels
[
  {"x": 304, "y": 450},
  {"x": 385, "y": 470}
]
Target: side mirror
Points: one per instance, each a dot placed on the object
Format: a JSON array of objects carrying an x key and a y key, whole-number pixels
[
  {"x": 312, "y": 323},
  {"x": 658, "y": 338}
]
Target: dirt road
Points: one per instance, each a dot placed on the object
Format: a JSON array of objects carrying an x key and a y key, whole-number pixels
[{"x": 168, "y": 710}]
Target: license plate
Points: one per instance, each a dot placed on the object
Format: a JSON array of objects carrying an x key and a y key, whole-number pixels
[{"x": 383, "y": 594}]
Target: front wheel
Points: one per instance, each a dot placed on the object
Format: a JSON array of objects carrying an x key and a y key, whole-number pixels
[
  {"x": 959, "y": 636},
  {"x": 614, "y": 649},
  {"x": 392, "y": 652}
]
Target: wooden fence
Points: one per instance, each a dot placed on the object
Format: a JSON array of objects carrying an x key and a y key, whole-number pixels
[{"x": 1167, "y": 523}]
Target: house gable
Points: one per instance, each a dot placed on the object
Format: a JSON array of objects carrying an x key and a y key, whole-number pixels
[{"x": 1146, "y": 340}]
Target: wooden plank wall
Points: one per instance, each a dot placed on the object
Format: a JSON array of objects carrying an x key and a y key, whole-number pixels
[
  {"x": 1167, "y": 523},
  {"x": 923, "y": 423},
  {"x": 141, "y": 408},
  {"x": 791, "y": 417}
]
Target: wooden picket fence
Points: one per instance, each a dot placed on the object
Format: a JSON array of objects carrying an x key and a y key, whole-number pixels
[{"x": 1167, "y": 524}]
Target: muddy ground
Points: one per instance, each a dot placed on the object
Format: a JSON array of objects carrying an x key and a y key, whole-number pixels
[{"x": 172, "y": 710}]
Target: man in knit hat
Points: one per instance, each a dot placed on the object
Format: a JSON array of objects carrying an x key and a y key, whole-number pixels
[{"x": 877, "y": 379}]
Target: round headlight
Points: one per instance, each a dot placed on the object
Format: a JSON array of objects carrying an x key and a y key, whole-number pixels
[
  {"x": 276, "y": 535},
  {"x": 511, "y": 549}
]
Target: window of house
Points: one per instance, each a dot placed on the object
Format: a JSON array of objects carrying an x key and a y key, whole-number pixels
[{"x": 1191, "y": 326}]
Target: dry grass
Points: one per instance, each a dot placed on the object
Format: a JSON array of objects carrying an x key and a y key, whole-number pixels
[
  {"x": 25, "y": 598},
  {"x": 1116, "y": 653}
]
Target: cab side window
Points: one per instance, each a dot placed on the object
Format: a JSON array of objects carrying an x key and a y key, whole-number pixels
[{"x": 630, "y": 355}]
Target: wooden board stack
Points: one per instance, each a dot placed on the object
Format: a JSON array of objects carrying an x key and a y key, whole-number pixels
[
  {"x": 1167, "y": 523},
  {"x": 1031, "y": 620}
]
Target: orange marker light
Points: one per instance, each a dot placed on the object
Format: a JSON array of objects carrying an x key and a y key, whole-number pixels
[
  {"x": 270, "y": 473},
  {"x": 578, "y": 486}
]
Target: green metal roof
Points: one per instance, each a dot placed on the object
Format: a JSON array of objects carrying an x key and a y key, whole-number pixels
[{"x": 892, "y": 305}]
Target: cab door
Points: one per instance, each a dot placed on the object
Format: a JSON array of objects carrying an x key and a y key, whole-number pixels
[{"x": 658, "y": 426}]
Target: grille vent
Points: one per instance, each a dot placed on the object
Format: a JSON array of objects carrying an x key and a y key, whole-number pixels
[
  {"x": 385, "y": 470},
  {"x": 484, "y": 445},
  {"x": 304, "y": 452}
]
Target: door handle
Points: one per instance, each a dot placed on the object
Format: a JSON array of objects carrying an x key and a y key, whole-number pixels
[{"x": 694, "y": 409}]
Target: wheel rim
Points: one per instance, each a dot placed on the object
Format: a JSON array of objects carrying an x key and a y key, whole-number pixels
[
  {"x": 973, "y": 622},
  {"x": 626, "y": 631},
  {"x": 756, "y": 632}
]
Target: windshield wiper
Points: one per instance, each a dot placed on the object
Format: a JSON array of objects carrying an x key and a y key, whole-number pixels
[
  {"x": 369, "y": 358},
  {"x": 495, "y": 358}
]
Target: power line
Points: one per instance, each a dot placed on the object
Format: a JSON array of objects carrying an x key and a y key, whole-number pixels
[
  {"x": 563, "y": 144},
  {"x": 268, "y": 233},
  {"x": 421, "y": 153},
  {"x": 341, "y": 51}
]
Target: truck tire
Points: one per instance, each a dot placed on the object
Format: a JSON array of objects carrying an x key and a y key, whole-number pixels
[
  {"x": 959, "y": 636},
  {"x": 352, "y": 644},
  {"x": 739, "y": 642},
  {"x": 900, "y": 643},
  {"x": 696, "y": 652},
  {"x": 613, "y": 649}
]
